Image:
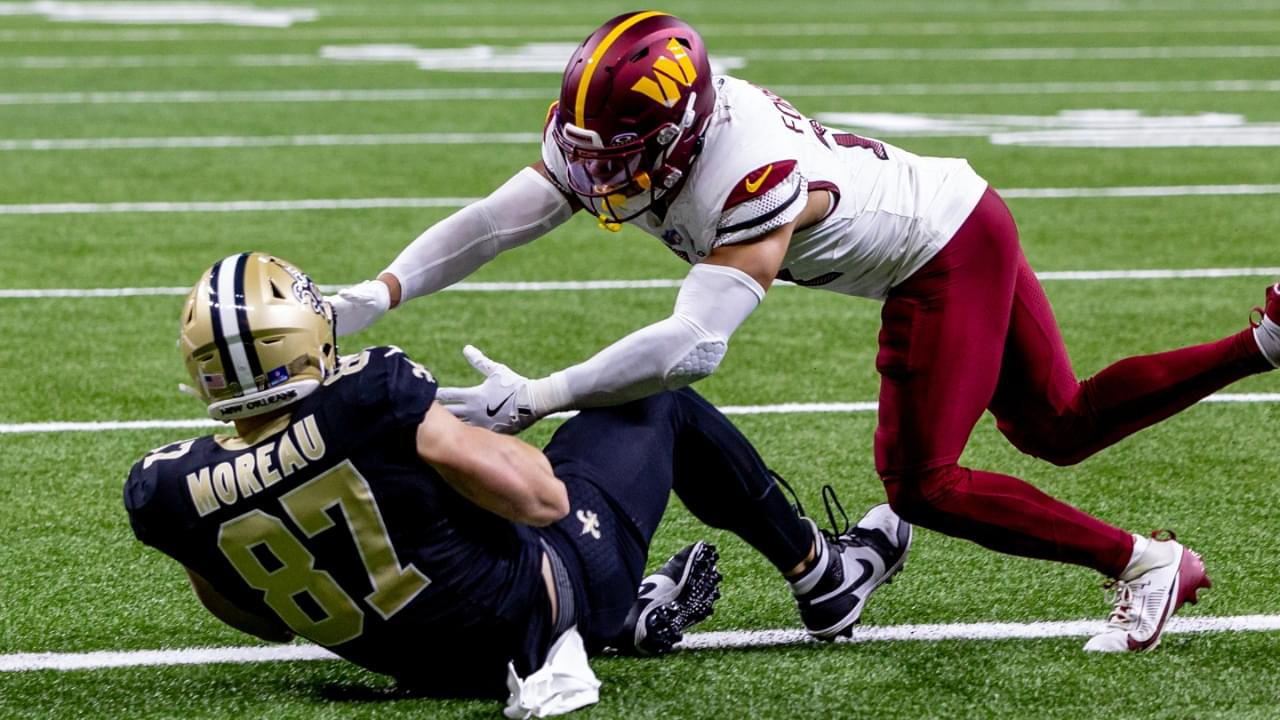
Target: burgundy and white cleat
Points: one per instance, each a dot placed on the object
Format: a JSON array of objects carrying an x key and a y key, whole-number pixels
[{"x": 1143, "y": 605}]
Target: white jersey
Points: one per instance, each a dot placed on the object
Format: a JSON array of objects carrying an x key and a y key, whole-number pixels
[{"x": 891, "y": 211}]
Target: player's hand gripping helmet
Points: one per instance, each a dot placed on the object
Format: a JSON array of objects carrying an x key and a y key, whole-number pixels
[
  {"x": 256, "y": 335},
  {"x": 635, "y": 101}
]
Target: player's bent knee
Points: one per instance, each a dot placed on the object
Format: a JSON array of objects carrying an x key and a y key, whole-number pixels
[
  {"x": 1051, "y": 445},
  {"x": 919, "y": 495}
]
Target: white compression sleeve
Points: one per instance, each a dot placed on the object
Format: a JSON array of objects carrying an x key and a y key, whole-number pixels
[
  {"x": 523, "y": 208},
  {"x": 713, "y": 302}
]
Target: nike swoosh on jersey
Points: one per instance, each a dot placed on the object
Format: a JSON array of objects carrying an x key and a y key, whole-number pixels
[
  {"x": 491, "y": 411},
  {"x": 754, "y": 186}
]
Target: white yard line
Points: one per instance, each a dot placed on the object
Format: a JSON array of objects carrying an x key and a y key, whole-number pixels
[
  {"x": 257, "y": 141},
  {"x": 235, "y": 206},
  {"x": 588, "y": 285},
  {"x": 1140, "y": 191},
  {"x": 1018, "y": 54},
  {"x": 411, "y": 32},
  {"x": 1045, "y": 88},
  {"x": 171, "y": 97},
  {"x": 778, "y": 409},
  {"x": 806, "y": 54},
  {"x": 725, "y": 639}
]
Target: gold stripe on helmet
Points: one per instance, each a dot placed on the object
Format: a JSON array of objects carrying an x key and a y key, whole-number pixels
[{"x": 580, "y": 104}]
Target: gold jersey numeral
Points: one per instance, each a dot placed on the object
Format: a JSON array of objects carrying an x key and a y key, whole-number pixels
[{"x": 294, "y": 572}]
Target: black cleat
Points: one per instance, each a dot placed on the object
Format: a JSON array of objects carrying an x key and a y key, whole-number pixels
[
  {"x": 679, "y": 595},
  {"x": 849, "y": 567}
]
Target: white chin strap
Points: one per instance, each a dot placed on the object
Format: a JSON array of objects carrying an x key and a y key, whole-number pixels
[{"x": 261, "y": 401}]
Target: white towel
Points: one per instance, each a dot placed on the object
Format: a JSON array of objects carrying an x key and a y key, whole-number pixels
[{"x": 563, "y": 684}]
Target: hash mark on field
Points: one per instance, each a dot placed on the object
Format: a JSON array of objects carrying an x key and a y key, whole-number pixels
[
  {"x": 729, "y": 639},
  {"x": 236, "y": 206},
  {"x": 779, "y": 409}
]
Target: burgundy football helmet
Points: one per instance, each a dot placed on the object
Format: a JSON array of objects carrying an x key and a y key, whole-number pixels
[{"x": 634, "y": 104}]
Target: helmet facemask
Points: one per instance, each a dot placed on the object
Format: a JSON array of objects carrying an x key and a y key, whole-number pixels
[{"x": 624, "y": 179}]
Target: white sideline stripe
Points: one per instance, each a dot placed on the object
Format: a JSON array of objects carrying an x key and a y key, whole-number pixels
[
  {"x": 483, "y": 94},
  {"x": 581, "y": 285},
  {"x": 727, "y": 639},
  {"x": 779, "y": 409},
  {"x": 452, "y": 202},
  {"x": 872, "y": 54},
  {"x": 255, "y": 141}
]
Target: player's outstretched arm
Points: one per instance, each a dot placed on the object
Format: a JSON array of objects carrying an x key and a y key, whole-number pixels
[
  {"x": 501, "y": 474},
  {"x": 525, "y": 207},
  {"x": 269, "y": 629},
  {"x": 714, "y": 299}
]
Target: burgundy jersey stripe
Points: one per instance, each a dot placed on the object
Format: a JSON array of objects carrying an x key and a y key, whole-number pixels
[{"x": 759, "y": 181}]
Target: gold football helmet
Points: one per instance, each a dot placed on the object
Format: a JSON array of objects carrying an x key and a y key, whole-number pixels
[{"x": 256, "y": 335}]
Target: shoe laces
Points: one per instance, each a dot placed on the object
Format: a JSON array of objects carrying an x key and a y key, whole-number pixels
[
  {"x": 1121, "y": 597},
  {"x": 842, "y": 533}
]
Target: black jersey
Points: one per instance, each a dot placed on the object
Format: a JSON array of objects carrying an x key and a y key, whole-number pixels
[{"x": 337, "y": 527}]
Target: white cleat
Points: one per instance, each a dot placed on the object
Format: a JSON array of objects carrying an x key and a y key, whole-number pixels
[{"x": 1144, "y": 604}]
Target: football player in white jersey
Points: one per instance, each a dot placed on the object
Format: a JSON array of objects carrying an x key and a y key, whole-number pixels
[{"x": 748, "y": 190}]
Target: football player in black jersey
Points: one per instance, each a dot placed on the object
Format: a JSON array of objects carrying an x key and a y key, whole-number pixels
[{"x": 351, "y": 509}]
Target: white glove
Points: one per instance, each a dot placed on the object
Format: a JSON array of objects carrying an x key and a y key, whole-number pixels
[
  {"x": 502, "y": 403},
  {"x": 357, "y": 307}
]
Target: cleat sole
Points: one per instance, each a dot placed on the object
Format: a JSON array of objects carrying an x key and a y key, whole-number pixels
[{"x": 694, "y": 602}]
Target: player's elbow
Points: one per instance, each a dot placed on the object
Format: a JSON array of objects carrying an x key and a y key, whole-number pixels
[
  {"x": 544, "y": 504},
  {"x": 698, "y": 362},
  {"x": 538, "y": 497},
  {"x": 550, "y": 509}
]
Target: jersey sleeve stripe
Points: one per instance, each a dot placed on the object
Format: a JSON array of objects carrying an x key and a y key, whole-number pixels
[
  {"x": 762, "y": 219},
  {"x": 759, "y": 181}
]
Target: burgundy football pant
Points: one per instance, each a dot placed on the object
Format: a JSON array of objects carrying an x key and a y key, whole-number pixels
[{"x": 971, "y": 331}]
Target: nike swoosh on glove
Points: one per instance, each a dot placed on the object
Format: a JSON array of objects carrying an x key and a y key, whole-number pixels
[
  {"x": 357, "y": 307},
  {"x": 500, "y": 403}
]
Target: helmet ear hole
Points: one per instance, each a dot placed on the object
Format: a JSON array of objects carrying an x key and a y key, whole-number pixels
[{"x": 276, "y": 291}]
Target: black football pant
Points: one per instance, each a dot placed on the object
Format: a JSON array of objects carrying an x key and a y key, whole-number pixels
[{"x": 620, "y": 465}]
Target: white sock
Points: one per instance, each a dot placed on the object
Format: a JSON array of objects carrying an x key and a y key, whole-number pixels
[
  {"x": 1267, "y": 335},
  {"x": 1148, "y": 555}
]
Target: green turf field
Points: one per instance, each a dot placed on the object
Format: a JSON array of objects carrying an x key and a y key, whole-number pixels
[{"x": 73, "y": 579}]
